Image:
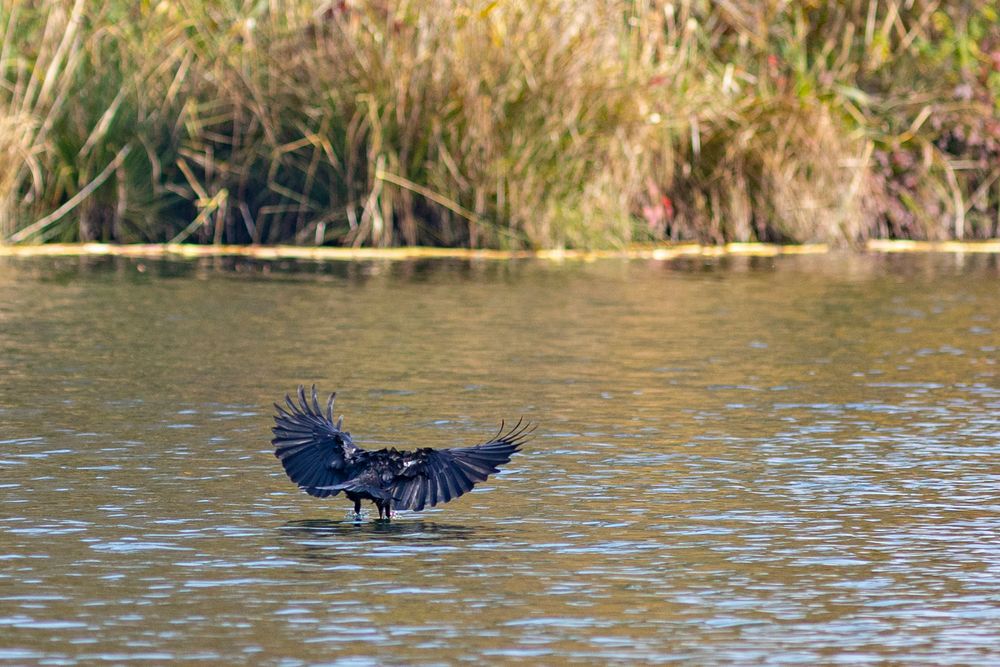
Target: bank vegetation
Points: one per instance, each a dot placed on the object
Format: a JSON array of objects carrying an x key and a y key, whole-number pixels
[{"x": 500, "y": 123}]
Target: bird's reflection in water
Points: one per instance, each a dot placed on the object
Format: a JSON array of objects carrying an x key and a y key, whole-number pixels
[{"x": 328, "y": 539}]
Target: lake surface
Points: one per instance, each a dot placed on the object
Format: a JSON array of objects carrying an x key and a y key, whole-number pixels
[{"x": 738, "y": 461}]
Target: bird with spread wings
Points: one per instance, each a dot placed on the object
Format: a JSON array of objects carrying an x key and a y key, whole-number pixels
[{"x": 323, "y": 460}]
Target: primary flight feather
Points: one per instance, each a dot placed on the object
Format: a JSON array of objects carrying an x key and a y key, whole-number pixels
[{"x": 323, "y": 460}]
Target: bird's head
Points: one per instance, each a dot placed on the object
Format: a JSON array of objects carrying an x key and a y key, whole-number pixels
[{"x": 347, "y": 443}]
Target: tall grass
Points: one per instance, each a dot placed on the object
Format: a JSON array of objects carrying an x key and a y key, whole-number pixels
[{"x": 499, "y": 123}]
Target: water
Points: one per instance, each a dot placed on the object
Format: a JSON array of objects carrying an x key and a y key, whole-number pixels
[{"x": 744, "y": 461}]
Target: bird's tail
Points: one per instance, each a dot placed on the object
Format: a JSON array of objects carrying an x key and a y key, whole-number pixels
[{"x": 355, "y": 486}]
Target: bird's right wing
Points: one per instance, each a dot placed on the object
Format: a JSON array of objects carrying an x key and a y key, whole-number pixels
[
  {"x": 309, "y": 445},
  {"x": 432, "y": 476}
]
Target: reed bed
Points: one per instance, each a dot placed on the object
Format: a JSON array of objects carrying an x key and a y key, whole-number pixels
[{"x": 499, "y": 124}]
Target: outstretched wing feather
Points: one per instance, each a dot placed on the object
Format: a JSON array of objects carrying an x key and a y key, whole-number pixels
[
  {"x": 420, "y": 494},
  {"x": 438, "y": 475},
  {"x": 308, "y": 445}
]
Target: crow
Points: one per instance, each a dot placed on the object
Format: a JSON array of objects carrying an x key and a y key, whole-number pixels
[{"x": 323, "y": 460}]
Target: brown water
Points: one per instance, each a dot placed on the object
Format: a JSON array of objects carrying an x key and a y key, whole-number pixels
[{"x": 738, "y": 461}]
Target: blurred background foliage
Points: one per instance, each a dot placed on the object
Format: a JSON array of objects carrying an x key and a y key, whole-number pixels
[{"x": 502, "y": 123}]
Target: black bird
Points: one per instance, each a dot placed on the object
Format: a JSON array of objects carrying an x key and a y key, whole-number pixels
[{"x": 323, "y": 460}]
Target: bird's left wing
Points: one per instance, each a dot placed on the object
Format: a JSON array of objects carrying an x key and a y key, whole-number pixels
[
  {"x": 432, "y": 476},
  {"x": 309, "y": 444}
]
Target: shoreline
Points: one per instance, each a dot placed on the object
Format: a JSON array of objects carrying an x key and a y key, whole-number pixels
[{"x": 325, "y": 253}]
